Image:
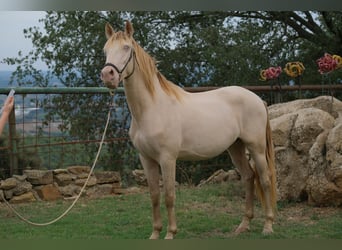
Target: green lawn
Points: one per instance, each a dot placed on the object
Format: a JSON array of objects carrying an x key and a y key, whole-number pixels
[{"x": 210, "y": 212}]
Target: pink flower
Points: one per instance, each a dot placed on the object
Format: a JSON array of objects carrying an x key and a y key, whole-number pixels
[
  {"x": 272, "y": 72},
  {"x": 326, "y": 64}
]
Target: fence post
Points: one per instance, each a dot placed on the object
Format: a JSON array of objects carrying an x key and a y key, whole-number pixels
[{"x": 13, "y": 143}]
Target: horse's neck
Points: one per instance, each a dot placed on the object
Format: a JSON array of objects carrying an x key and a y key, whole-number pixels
[{"x": 138, "y": 98}]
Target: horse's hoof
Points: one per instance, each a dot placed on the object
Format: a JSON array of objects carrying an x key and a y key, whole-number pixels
[
  {"x": 267, "y": 228},
  {"x": 241, "y": 229},
  {"x": 154, "y": 236},
  {"x": 169, "y": 236},
  {"x": 267, "y": 231}
]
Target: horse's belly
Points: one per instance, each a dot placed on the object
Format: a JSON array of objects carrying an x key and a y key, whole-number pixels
[{"x": 207, "y": 144}]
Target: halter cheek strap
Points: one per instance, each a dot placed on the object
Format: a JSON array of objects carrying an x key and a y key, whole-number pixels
[{"x": 124, "y": 67}]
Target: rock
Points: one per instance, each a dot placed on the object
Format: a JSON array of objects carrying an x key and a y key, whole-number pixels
[
  {"x": 69, "y": 190},
  {"x": 282, "y": 127},
  {"x": 324, "y": 103},
  {"x": 39, "y": 177},
  {"x": 82, "y": 176},
  {"x": 48, "y": 192},
  {"x": 100, "y": 190},
  {"x": 309, "y": 124},
  {"x": 64, "y": 179},
  {"x": 60, "y": 171},
  {"x": 322, "y": 192},
  {"x": 217, "y": 177},
  {"x": 334, "y": 147},
  {"x": 79, "y": 169},
  {"x": 92, "y": 181},
  {"x": 20, "y": 177},
  {"x": 2, "y": 195},
  {"x": 26, "y": 197},
  {"x": 307, "y": 135},
  {"x": 8, "y": 183},
  {"x": 139, "y": 177},
  {"x": 119, "y": 191},
  {"x": 8, "y": 194},
  {"x": 116, "y": 184},
  {"x": 104, "y": 177},
  {"x": 22, "y": 187},
  {"x": 233, "y": 175}
]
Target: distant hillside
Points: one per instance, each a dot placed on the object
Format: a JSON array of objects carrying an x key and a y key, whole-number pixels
[{"x": 5, "y": 77}]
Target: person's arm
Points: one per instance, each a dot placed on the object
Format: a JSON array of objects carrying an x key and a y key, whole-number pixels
[{"x": 8, "y": 106}]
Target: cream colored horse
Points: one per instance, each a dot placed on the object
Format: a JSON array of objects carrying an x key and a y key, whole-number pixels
[{"x": 169, "y": 124}]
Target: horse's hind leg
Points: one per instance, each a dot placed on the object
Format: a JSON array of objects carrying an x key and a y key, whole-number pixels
[
  {"x": 261, "y": 167},
  {"x": 151, "y": 169},
  {"x": 237, "y": 152}
]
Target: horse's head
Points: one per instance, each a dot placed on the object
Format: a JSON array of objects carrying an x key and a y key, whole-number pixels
[{"x": 119, "y": 53}]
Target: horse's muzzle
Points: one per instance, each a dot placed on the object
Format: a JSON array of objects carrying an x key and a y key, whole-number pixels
[{"x": 110, "y": 77}]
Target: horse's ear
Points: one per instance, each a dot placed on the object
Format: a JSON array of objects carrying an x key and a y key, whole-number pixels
[
  {"x": 109, "y": 30},
  {"x": 129, "y": 29}
]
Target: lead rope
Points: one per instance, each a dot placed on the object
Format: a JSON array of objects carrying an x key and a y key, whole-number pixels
[{"x": 82, "y": 189}]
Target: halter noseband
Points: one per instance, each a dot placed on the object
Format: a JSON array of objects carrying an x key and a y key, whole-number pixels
[{"x": 124, "y": 67}]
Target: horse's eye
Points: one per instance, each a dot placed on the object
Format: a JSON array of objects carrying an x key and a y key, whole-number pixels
[{"x": 126, "y": 47}]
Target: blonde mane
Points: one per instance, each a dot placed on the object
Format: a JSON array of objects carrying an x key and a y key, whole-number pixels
[{"x": 148, "y": 69}]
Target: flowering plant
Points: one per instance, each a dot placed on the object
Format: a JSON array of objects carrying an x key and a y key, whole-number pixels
[
  {"x": 294, "y": 69},
  {"x": 327, "y": 63},
  {"x": 338, "y": 59},
  {"x": 270, "y": 73}
]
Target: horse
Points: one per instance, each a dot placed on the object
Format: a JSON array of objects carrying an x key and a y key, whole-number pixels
[{"x": 169, "y": 123}]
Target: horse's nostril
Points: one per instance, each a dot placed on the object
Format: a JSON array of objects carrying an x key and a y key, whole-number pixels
[{"x": 111, "y": 72}]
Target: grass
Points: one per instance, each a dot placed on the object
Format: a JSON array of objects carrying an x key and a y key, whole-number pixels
[{"x": 210, "y": 212}]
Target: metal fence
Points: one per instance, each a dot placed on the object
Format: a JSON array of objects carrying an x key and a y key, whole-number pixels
[{"x": 33, "y": 141}]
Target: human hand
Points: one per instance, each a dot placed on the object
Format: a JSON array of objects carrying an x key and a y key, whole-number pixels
[{"x": 8, "y": 106}]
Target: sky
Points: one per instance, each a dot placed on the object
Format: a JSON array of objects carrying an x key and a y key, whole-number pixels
[{"x": 12, "y": 25}]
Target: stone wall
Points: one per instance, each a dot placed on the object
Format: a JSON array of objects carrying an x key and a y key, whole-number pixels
[{"x": 56, "y": 184}]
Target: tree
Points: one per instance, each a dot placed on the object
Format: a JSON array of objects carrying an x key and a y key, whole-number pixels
[{"x": 193, "y": 48}]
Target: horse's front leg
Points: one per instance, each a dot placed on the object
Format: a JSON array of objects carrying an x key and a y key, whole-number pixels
[
  {"x": 151, "y": 169},
  {"x": 168, "y": 168}
]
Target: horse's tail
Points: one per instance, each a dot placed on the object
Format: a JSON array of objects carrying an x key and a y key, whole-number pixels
[{"x": 269, "y": 153}]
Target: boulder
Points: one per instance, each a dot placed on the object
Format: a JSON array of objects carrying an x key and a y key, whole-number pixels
[
  {"x": 26, "y": 197},
  {"x": 307, "y": 136},
  {"x": 2, "y": 195},
  {"x": 69, "y": 190},
  {"x": 139, "y": 177},
  {"x": 60, "y": 171},
  {"x": 221, "y": 176},
  {"x": 21, "y": 188},
  {"x": 79, "y": 169},
  {"x": 64, "y": 179},
  {"x": 39, "y": 177},
  {"x": 8, "y": 194},
  {"x": 9, "y": 183},
  {"x": 92, "y": 181},
  {"x": 48, "y": 192},
  {"x": 100, "y": 190},
  {"x": 20, "y": 177},
  {"x": 104, "y": 177}
]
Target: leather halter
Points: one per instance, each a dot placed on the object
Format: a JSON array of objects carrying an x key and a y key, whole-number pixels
[{"x": 124, "y": 67}]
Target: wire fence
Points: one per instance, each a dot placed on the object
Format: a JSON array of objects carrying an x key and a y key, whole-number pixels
[{"x": 38, "y": 138}]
